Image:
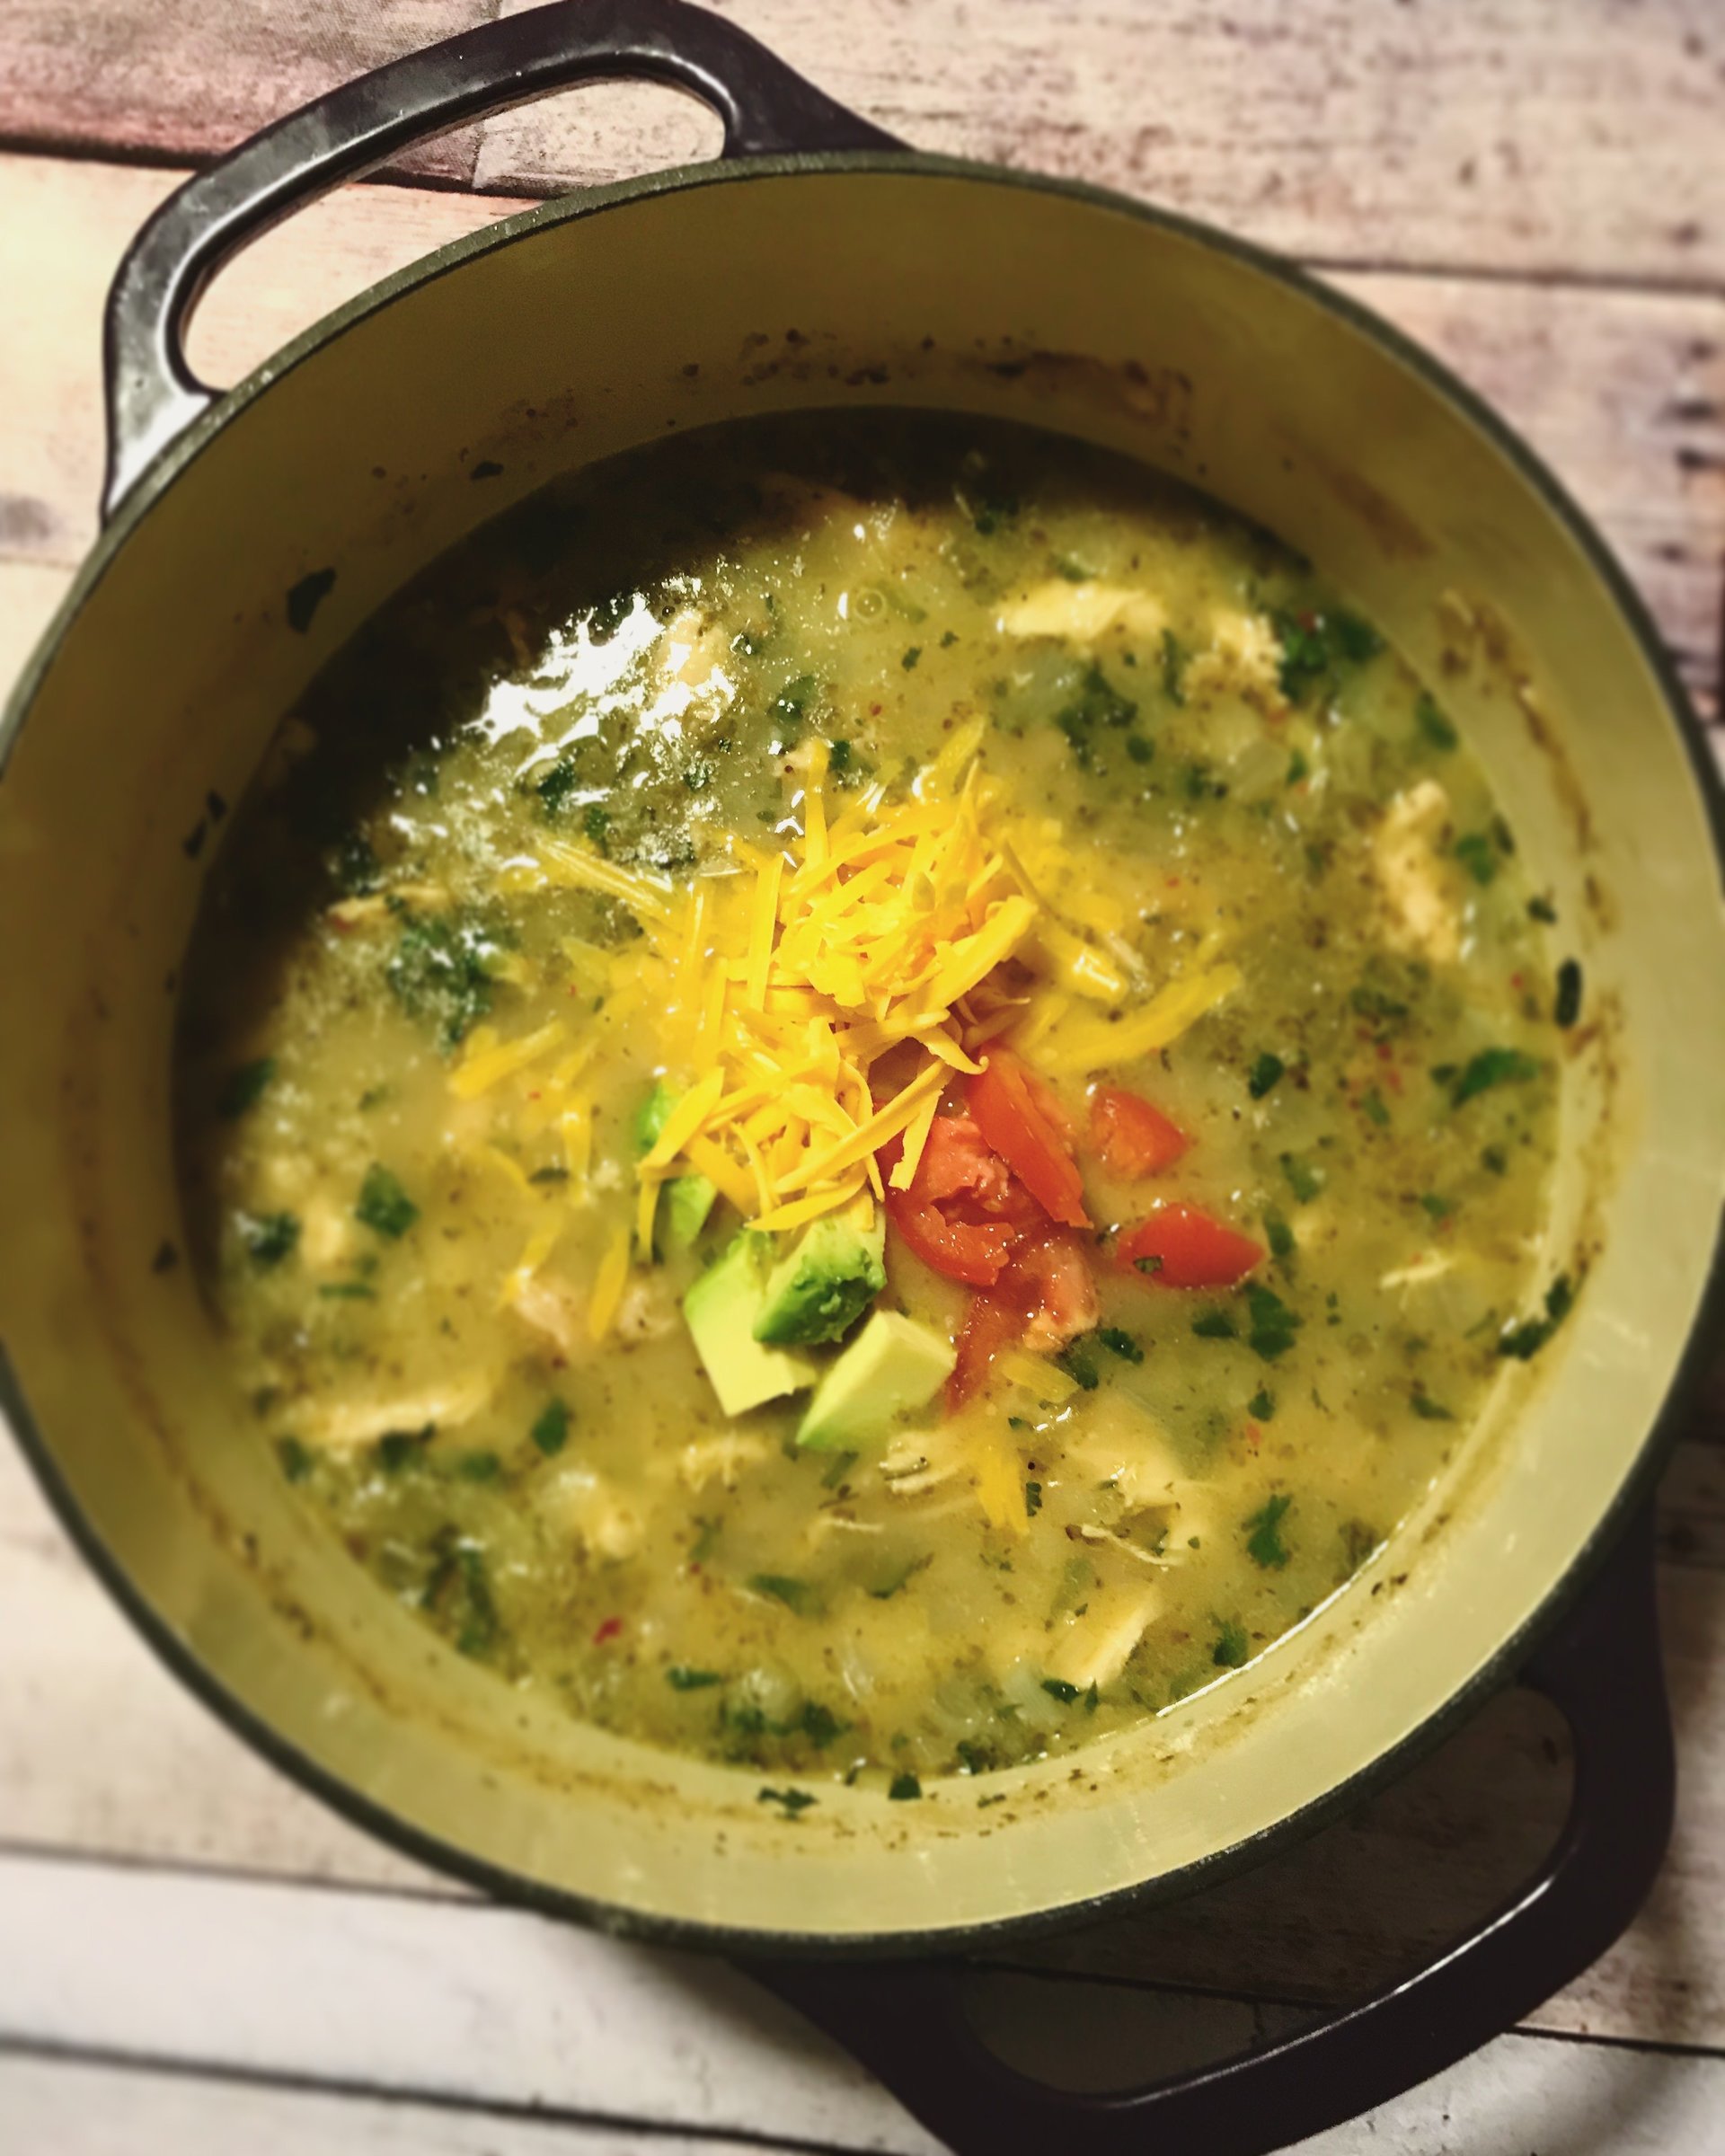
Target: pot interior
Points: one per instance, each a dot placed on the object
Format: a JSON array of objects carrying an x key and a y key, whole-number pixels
[{"x": 595, "y": 325}]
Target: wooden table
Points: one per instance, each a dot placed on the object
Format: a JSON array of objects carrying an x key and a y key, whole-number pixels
[{"x": 199, "y": 1958}]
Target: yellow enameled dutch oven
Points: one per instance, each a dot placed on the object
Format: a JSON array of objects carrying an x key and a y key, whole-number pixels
[{"x": 818, "y": 263}]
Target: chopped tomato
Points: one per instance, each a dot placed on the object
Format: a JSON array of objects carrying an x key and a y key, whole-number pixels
[
  {"x": 964, "y": 1209},
  {"x": 956, "y": 1160},
  {"x": 1131, "y": 1135},
  {"x": 1044, "y": 1298},
  {"x": 994, "y": 1319},
  {"x": 1056, "y": 1271},
  {"x": 1022, "y": 1119},
  {"x": 1180, "y": 1247},
  {"x": 962, "y": 1249}
]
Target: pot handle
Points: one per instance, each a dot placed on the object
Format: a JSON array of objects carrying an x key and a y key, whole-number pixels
[
  {"x": 153, "y": 395},
  {"x": 906, "y": 2022}
]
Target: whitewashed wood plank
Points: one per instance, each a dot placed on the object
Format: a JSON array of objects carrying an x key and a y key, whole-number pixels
[
  {"x": 1537, "y": 136},
  {"x": 1540, "y": 137},
  {"x": 482, "y": 2006},
  {"x": 417, "y": 1997},
  {"x": 1624, "y": 392},
  {"x": 64, "y": 2107},
  {"x": 30, "y": 591},
  {"x": 64, "y": 226},
  {"x": 180, "y": 81}
]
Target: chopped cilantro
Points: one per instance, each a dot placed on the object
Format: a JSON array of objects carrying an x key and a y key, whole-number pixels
[
  {"x": 1567, "y": 1009},
  {"x": 397, "y": 1449},
  {"x": 1140, "y": 749},
  {"x": 479, "y": 1467},
  {"x": 1494, "y": 1160},
  {"x": 1033, "y": 1499},
  {"x": 1262, "y": 1406},
  {"x": 1079, "y": 1365},
  {"x": 838, "y": 1468},
  {"x": 819, "y": 1724},
  {"x": 384, "y": 1205},
  {"x": 550, "y": 1430},
  {"x": 1315, "y": 647},
  {"x": 595, "y": 823},
  {"x": 1305, "y": 1179},
  {"x": 244, "y": 1088},
  {"x": 1374, "y": 1109},
  {"x": 909, "y": 660},
  {"x": 948, "y": 638},
  {"x": 1273, "y": 1323},
  {"x": 1430, "y": 1409},
  {"x": 1279, "y": 1234},
  {"x": 838, "y": 757},
  {"x": 1058, "y": 1689},
  {"x": 1298, "y": 768},
  {"x": 459, "y": 1591},
  {"x": 794, "y": 1594},
  {"x": 1097, "y": 703},
  {"x": 1120, "y": 1343},
  {"x": 1430, "y": 718},
  {"x": 438, "y": 971},
  {"x": 1439, "y": 1208},
  {"x": 904, "y": 1788},
  {"x": 1542, "y": 909},
  {"x": 1232, "y": 1647},
  {"x": 1264, "y": 1074},
  {"x": 296, "y": 1460},
  {"x": 1264, "y": 1543},
  {"x": 1523, "y": 1341},
  {"x": 1173, "y": 668},
  {"x": 1215, "y": 1324},
  {"x": 1491, "y": 1067},
  {"x": 268, "y": 1237},
  {"x": 681, "y": 1678},
  {"x": 1478, "y": 855},
  {"x": 558, "y": 783},
  {"x": 789, "y": 708}
]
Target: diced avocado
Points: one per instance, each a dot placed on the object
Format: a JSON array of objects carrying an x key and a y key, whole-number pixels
[
  {"x": 721, "y": 1310},
  {"x": 687, "y": 1202},
  {"x": 892, "y": 1365},
  {"x": 652, "y": 1115},
  {"x": 818, "y": 1290},
  {"x": 689, "y": 1198}
]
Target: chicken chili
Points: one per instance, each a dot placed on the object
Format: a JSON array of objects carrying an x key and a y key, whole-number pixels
[{"x": 870, "y": 1095}]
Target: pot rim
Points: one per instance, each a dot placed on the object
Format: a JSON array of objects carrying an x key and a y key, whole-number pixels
[{"x": 1512, "y": 1651}]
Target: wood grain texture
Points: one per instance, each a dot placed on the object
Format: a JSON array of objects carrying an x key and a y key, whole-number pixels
[
  {"x": 75, "y": 2107},
  {"x": 483, "y": 2006},
  {"x": 1624, "y": 392},
  {"x": 1556, "y": 137},
  {"x": 180, "y": 81},
  {"x": 1539, "y": 137}
]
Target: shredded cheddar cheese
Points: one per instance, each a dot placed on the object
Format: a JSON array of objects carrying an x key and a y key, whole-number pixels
[{"x": 818, "y": 997}]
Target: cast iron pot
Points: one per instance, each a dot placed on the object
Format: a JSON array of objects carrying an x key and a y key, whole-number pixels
[{"x": 816, "y": 262}]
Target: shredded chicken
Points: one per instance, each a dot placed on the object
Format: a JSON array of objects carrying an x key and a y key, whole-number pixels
[
  {"x": 347, "y": 1424},
  {"x": 1416, "y": 887}
]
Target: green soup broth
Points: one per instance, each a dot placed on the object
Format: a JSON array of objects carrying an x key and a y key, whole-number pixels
[{"x": 643, "y": 665}]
